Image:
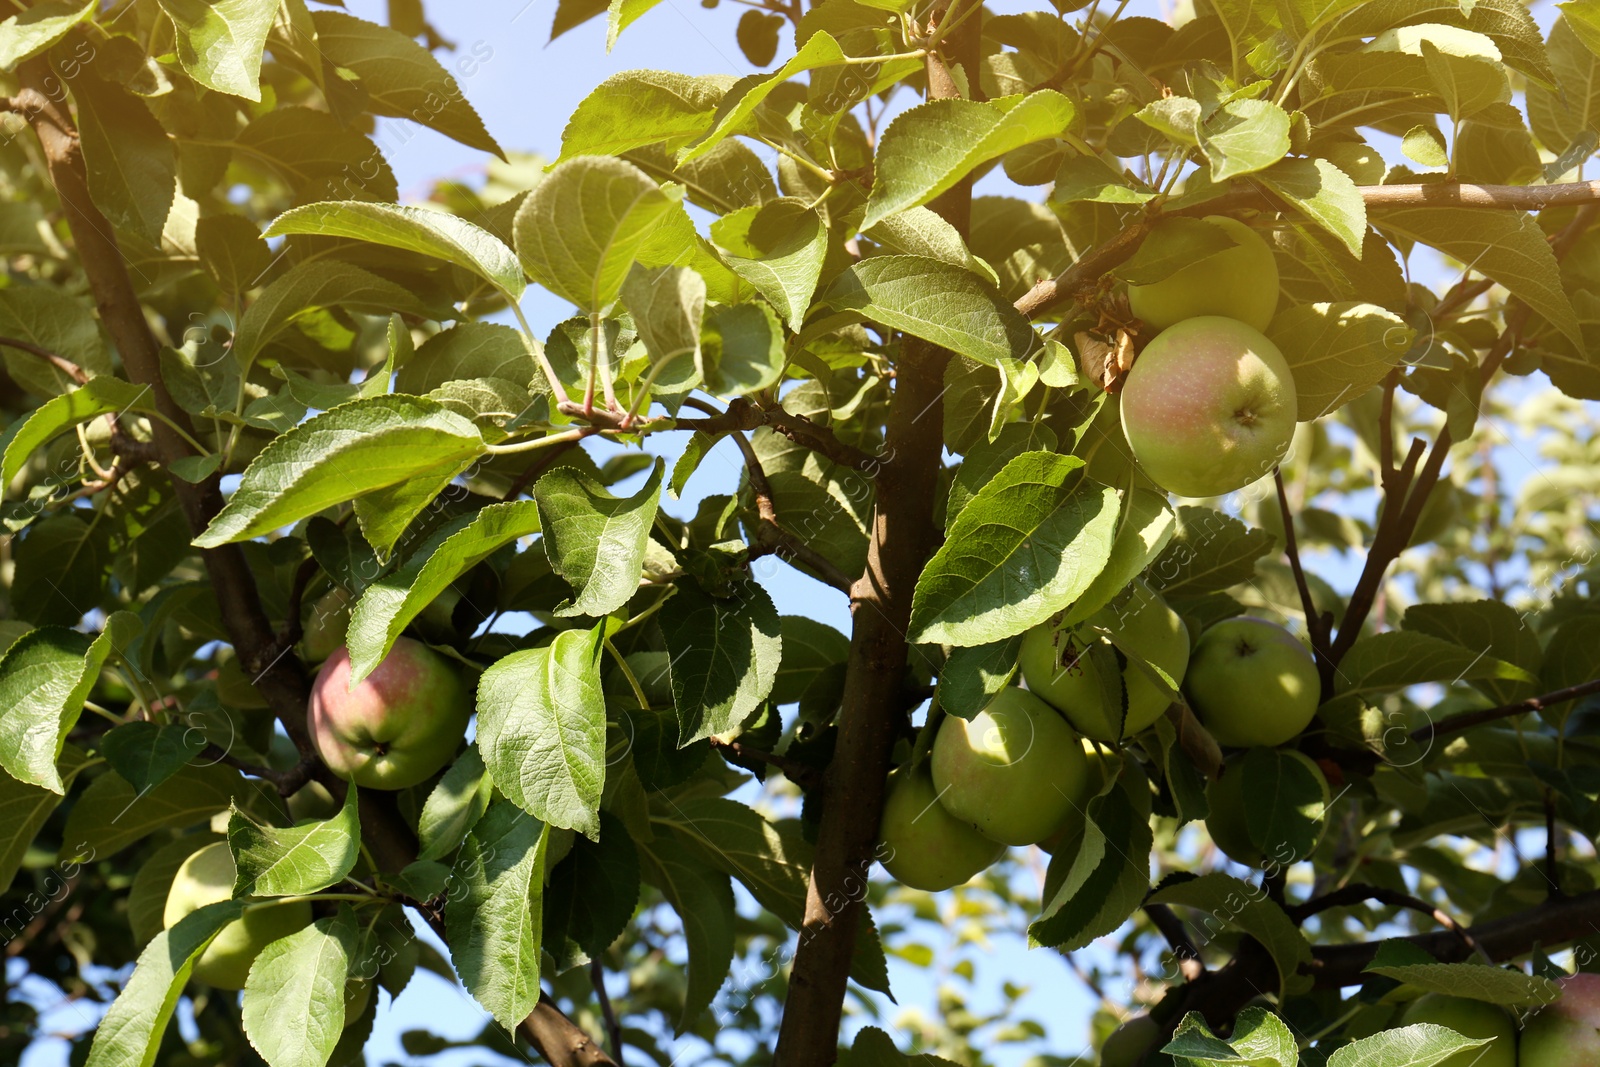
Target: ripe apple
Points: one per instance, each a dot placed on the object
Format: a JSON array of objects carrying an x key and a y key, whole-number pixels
[
  {"x": 1252, "y": 683},
  {"x": 1567, "y": 1032},
  {"x": 1056, "y": 665},
  {"x": 1209, "y": 407},
  {"x": 1469, "y": 1018},
  {"x": 398, "y": 726},
  {"x": 326, "y": 623},
  {"x": 1240, "y": 282},
  {"x": 1228, "y": 823},
  {"x": 1128, "y": 1042},
  {"x": 1015, "y": 771},
  {"x": 206, "y": 877},
  {"x": 924, "y": 846}
]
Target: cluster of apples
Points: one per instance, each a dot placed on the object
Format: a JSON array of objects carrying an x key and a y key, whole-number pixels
[
  {"x": 1022, "y": 770},
  {"x": 395, "y": 728}
]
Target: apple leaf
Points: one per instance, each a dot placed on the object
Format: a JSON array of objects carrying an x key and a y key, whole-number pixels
[
  {"x": 580, "y": 230},
  {"x": 388, "y": 605},
  {"x": 1337, "y": 351},
  {"x": 703, "y": 898},
  {"x": 593, "y": 892},
  {"x": 293, "y": 1007},
  {"x": 33, "y": 29},
  {"x": 789, "y": 244},
  {"x": 930, "y": 147},
  {"x": 495, "y": 918},
  {"x": 286, "y": 861},
  {"x": 129, "y": 1034},
  {"x": 1029, "y": 543},
  {"x": 944, "y": 304},
  {"x": 1144, "y": 528},
  {"x": 1232, "y": 901},
  {"x": 390, "y": 454},
  {"x": 24, "y": 809},
  {"x": 220, "y": 43},
  {"x": 1283, "y": 804},
  {"x": 314, "y": 284},
  {"x": 1244, "y": 136},
  {"x": 667, "y": 305},
  {"x": 642, "y": 107},
  {"x": 111, "y": 814},
  {"x": 542, "y": 729},
  {"x": 1474, "y": 981},
  {"x": 1418, "y": 1045},
  {"x": 1259, "y": 1038},
  {"x": 973, "y": 674},
  {"x": 1492, "y": 626},
  {"x": 45, "y": 677},
  {"x": 1209, "y": 552},
  {"x": 454, "y": 806},
  {"x": 1097, "y": 880},
  {"x": 147, "y": 754},
  {"x": 101, "y": 395},
  {"x": 595, "y": 540},
  {"x": 414, "y": 229},
  {"x": 1384, "y": 662},
  {"x": 725, "y": 655},
  {"x": 1324, "y": 194}
]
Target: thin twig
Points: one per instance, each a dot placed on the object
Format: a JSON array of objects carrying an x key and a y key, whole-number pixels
[
  {"x": 60, "y": 363},
  {"x": 1357, "y": 892},
  {"x": 1177, "y": 935},
  {"x": 1466, "y": 720},
  {"x": 743, "y": 414},
  {"x": 597, "y": 975},
  {"x": 739, "y": 754},
  {"x": 1291, "y": 548}
]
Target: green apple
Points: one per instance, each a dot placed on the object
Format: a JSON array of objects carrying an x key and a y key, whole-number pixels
[
  {"x": 206, "y": 877},
  {"x": 1228, "y": 823},
  {"x": 1252, "y": 683},
  {"x": 1209, "y": 407},
  {"x": 357, "y": 995},
  {"x": 924, "y": 846},
  {"x": 1057, "y": 666},
  {"x": 326, "y": 623},
  {"x": 1566, "y": 1033},
  {"x": 1073, "y": 824},
  {"x": 312, "y": 801},
  {"x": 1469, "y": 1018},
  {"x": 1015, "y": 771},
  {"x": 1128, "y": 1043},
  {"x": 1240, "y": 282},
  {"x": 398, "y": 725}
]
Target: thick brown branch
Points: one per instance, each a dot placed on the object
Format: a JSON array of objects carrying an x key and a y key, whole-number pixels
[
  {"x": 1466, "y": 720},
  {"x": 1465, "y": 194},
  {"x": 1177, "y": 934},
  {"x": 1084, "y": 275}
]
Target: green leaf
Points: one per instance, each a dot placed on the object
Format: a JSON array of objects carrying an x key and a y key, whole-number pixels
[
  {"x": 129, "y": 1034},
  {"x": 414, "y": 229},
  {"x": 593, "y": 892},
  {"x": 703, "y": 898},
  {"x": 740, "y": 102},
  {"x": 24, "y": 809},
  {"x": 668, "y": 305},
  {"x": 1395, "y": 659},
  {"x": 1284, "y": 804},
  {"x": 938, "y": 302},
  {"x": 595, "y": 540},
  {"x": 133, "y": 172},
  {"x": 1475, "y": 981},
  {"x": 1091, "y": 179},
  {"x": 972, "y": 675},
  {"x": 810, "y": 648},
  {"x": 293, "y": 1008},
  {"x": 873, "y": 1047},
  {"x": 580, "y": 230},
  {"x": 286, "y": 861},
  {"x": 390, "y": 603},
  {"x": 1506, "y": 246},
  {"x": 1228, "y": 900},
  {"x": 1559, "y": 118},
  {"x": 57, "y": 322},
  {"x": 1028, "y": 544},
  {"x": 32, "y": 30},
  {"x": 1425, "y": 145},
  {"x": 1209, "y": 552},
  {"x": 742, "y": 351},
  {"x": 934, "y": 145},
  {"x": 1244, "y": 136},
  {"x": 1337, "y": 351},
  {"x": 987, "y": 458},
  {"x": 60, "y": 569},
  {"x": 401, "y": 78},
  {"x": 454, "y": 806},
  {"x": 1420, "y": 1045},
  {"x": 309, "y": 286},
  {"x": 758, "y": 34},
  {"x": 111, "y": 814},
  {"x": 319, "y": 157},
  {"x": 1177, "y": 118},
  {"x": 220, "y": 43},
  {"x": 1105, "y": 870},
  {"x": 542, "y": 729},
  {"x": 1324, "y": 194},
  {"x": 642, "y": 107},
  {"x": 1144, "y": 529},
  {"x": 1485, "y": 626},
  {"x": 725, "y": 656},
  {"x": 390, "y": 454},
  {"x": 102, "y": 395},
  {"x": 44, "y": 678},
  {"x": 1259, "y": 1038},
  {"x": 147, "y": 754},
  {"x": 495, "y": 917},
  {"x": 786, "y": 244}
]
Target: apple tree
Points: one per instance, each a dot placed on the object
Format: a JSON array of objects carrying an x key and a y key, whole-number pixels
[{"x": 1211, "y": 492}]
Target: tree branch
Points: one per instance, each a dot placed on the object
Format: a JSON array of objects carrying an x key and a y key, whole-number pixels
[
  {"x": 1177, "y": 934},
  {"x": 597, "y": 977},
  {"x": 743, "y": 414},
  {"x": 1466, "y": 720},
  {"x": 60, "y": 363},
  {"x": 803, "y": 775},
  {"x": 1357, "y": 892},
  {"x": 1466, "y": 194},
  {"x": 1084, "y": 275},
  {"x": 1316, "y": 623}
]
